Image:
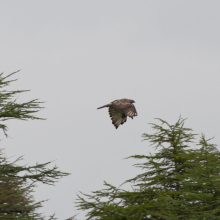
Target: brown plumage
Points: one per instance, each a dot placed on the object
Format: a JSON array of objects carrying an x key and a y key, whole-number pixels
[{"x": 119, "y": 110}]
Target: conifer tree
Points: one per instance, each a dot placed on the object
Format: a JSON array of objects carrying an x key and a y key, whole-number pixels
[
  {"x": 180, "y": 181},
  {"x": 17, "y": 182}
]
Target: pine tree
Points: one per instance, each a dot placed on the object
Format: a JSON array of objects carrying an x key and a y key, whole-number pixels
[
  {"x": 203, "y": 181},
  {"x": 17, "y": 182},
  {"x": 180, "y": 181}
]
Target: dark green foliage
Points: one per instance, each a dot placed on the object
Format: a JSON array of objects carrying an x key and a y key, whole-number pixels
[
  {"x": 180, "y": 181},
  {"x": 16, "y": 185},
  {"x": 17, "y": 182},
  {"x": 10, "y": 108}
]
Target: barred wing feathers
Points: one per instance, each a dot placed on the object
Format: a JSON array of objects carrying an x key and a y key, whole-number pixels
[
  {"x": 117, "y": 117},
  {"x": 127, "y": 108}
]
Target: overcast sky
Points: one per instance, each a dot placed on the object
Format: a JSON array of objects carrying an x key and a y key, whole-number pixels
[{"x": 79, "y": 55}]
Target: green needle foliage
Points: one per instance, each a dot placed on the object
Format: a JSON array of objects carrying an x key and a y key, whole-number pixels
[
  {"x": 18, "y": 182},
  {"x": 180, "y": 181},
  {"x": 10, "y": 108}
]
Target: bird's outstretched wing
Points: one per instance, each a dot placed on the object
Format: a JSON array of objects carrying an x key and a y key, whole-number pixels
[
  {"x": 117, "y": 117},
  {"x": 127, "y": 108}
]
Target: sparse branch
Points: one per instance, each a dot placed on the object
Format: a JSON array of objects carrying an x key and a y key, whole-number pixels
[{"x": 11, "y": 109}]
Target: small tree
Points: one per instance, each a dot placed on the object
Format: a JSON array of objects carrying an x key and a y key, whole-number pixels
[
  {"x": 178, "y": 182},
  {"x": 17, "y": 182}
]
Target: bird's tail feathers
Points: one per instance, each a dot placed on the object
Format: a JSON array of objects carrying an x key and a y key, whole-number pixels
[{"x": 104, "y": 106}]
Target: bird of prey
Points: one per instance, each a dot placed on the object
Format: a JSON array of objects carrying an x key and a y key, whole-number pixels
[{"x": 119, "y": 110}]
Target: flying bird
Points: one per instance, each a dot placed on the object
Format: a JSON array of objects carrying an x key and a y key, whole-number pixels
[{"x": 119, "y": 110}]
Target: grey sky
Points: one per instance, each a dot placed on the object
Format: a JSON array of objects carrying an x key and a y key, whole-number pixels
[{"x": 79, "y": 55}]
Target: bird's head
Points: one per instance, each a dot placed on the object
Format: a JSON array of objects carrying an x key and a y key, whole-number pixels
[{"x": 129, "y": 100}]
